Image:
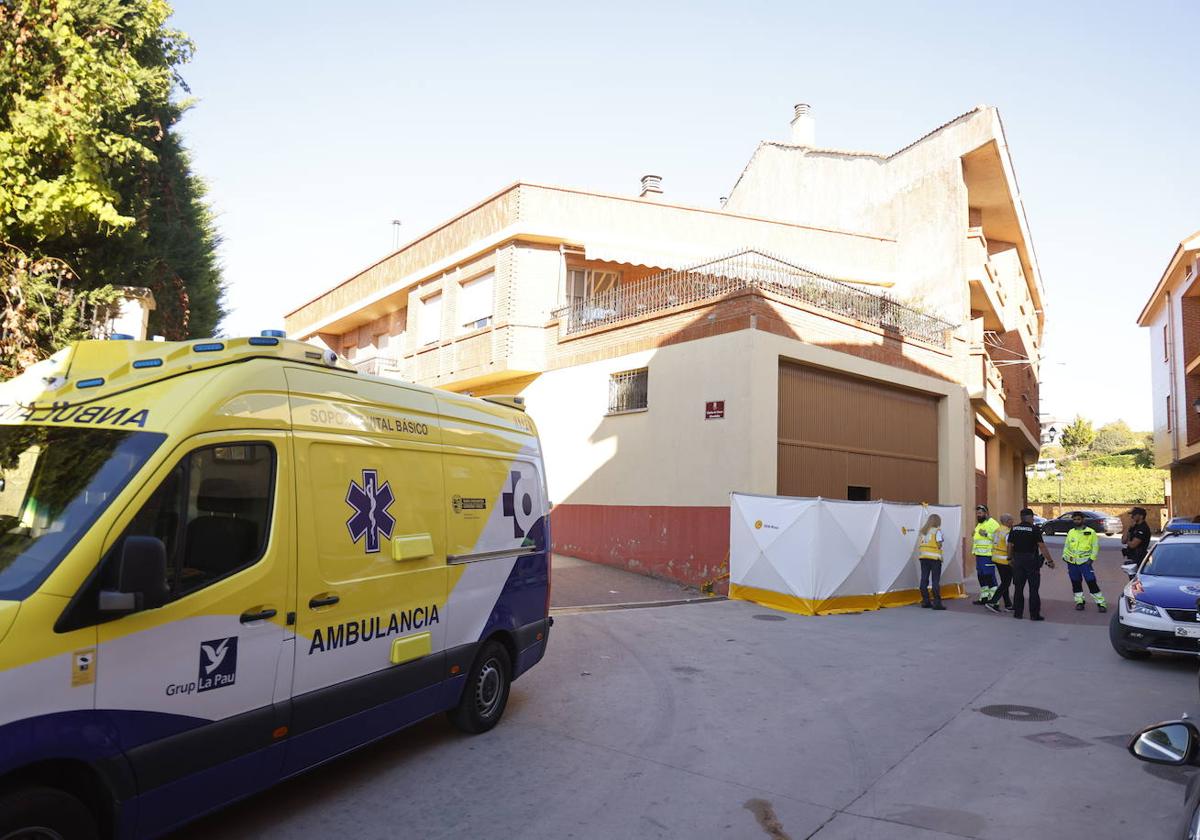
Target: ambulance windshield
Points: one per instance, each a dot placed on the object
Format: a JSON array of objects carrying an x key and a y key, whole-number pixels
[{"x": 54, "y": 483}]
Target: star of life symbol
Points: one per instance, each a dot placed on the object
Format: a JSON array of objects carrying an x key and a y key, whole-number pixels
[{"x": 370, "y": 503}]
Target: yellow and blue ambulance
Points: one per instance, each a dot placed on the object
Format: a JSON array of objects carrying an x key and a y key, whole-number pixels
[{"x": 224, "y": 562}]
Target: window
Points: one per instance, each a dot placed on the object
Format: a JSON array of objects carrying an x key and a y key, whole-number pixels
[
  {"x": 54, "y": 483},
  {"x": 212, "y": 512},
  {"x": 431, "y": 319},
  {"x": 856, "y": 493},
  {"x": 627, "y": 391},
  {"x": 476, "y": 302},
  {"x": 583, "y": 284}
]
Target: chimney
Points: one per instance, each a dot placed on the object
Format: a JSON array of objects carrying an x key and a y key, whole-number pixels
[
  {"x": 804, "y": 127},
  {"x": 651, "y": 186}
]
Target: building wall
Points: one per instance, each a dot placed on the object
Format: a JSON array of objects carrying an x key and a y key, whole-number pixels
[
  {"x": 1185, "y": 490},
  {"x": 1163, "y": 349},
  {"x": 650, "y": 490}
]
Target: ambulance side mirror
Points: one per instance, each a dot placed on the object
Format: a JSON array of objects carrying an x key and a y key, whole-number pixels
[{"x": 141, "y": 577}]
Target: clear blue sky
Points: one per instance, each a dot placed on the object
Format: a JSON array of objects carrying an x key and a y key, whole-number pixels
[{"x": 317, "y": 124}]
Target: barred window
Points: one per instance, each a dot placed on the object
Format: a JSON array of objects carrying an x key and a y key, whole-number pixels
[{"x": 627, "y": 391}]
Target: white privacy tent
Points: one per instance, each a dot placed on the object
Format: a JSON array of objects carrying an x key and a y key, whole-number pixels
[{"x": 819, "y": 556}]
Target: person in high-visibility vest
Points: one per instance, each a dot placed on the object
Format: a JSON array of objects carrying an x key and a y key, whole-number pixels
[
  {"x": 931, "y": 545},
  {"x": 983, "y": 547},
  {"x": 1000, "y": 558},
  {"x": 1080, "y": 552}
]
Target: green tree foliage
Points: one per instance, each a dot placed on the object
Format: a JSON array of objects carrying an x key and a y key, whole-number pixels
[
  {"x": 95, "y": 188},
  {"x": 1114, "y": 437},
  {"x": 1078, "y": 435},
  {"x": 1091, "y": 484}
]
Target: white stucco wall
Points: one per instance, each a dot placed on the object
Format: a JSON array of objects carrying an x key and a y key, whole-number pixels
[{"x": 671, "y": 455}]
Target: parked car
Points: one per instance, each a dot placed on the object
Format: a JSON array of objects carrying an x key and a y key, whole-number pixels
[
  {"x": 1041, "y": 521},
  {"x": 1174, "y": 743},
  {"x": 1156, "y": 612},
  {"x": 1101, "y": 523}
]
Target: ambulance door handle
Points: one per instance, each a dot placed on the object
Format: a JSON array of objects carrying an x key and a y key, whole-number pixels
[
  {"x": 323, "y": 601},
  {"x": 259, "y": 615}
]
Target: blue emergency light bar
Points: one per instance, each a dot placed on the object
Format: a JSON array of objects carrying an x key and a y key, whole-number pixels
[{"x": 1182, "y": 525}]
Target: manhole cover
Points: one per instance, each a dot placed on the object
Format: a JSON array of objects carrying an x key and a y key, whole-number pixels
[
  {"x": 1057, "y": 740},
  {"x": 769, "y": 617},
  {"x": 1009, "y": 712}
]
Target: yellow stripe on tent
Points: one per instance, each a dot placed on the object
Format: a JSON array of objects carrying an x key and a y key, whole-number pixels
[{"x": 838, "y": 605}]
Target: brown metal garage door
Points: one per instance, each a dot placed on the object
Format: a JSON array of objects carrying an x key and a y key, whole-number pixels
[{"x": 847, "y": 438}]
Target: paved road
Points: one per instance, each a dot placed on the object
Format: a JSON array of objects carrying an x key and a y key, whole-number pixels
[
  {"x": 724, "y": 719},
  {"x": 580, "y": 583}
]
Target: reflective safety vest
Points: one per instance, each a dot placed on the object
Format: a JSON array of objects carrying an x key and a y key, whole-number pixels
[
  {"x": 1082, "y": 545},
  {"x": 1000, "y": 546},
  {"x": 984, "y": 532},
  {"x": 931, "y": 545}
]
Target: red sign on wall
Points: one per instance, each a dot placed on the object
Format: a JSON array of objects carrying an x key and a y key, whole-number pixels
[{"x": 714, "y": 410}]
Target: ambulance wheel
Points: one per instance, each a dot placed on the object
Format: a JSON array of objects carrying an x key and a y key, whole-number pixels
[
  {"x": 486, "y": 693},
  {"x": 42, "y": 813},
  {"x": 1118, "y": 643}
]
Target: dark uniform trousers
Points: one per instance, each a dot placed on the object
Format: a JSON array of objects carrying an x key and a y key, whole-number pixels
[{"x": 1026, "y": 569}]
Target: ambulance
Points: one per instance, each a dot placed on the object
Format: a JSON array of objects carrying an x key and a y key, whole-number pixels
[{"x": 225, "y": 562}]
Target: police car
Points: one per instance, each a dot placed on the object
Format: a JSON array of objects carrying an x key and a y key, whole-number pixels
[
  {"x": 1157, "y": 611},
  {"x": 224, "y": 562}
]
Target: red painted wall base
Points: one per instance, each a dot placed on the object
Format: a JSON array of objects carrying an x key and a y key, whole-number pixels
[{"x": 685, "y": 544}]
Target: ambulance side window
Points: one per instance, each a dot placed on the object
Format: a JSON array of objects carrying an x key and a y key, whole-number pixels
[{"x": 213, "y": 514}]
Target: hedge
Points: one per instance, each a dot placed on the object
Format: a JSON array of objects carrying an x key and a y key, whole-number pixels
[{"x": 1101, "y": 485}]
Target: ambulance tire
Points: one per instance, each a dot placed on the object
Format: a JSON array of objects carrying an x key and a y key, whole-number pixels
[
  {"x": 486, "y": 692},
  {"x": 57, "y": 814}
]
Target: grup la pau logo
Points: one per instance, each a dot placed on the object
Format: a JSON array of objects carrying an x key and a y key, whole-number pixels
[
  {"x": 370, "y": 502},
  {"x": 758, "y": 525},
  {"x": 218, "y": 664}
]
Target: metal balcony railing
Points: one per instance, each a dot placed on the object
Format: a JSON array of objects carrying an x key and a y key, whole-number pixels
[{"x": 744, "y": 270}]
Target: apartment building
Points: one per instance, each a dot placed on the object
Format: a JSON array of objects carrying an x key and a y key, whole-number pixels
[
  {"x": 1172, "y": 314},
  {"x": 849, "y": 325}
]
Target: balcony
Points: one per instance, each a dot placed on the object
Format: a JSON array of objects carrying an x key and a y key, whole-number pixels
[
  {"x": 986, "y": 386},
  {"x": 476, "y": 358},
  {"x": 380, "y": 366},
  {"x": 987, "y": 292},
  {"x": 742, "y": 271}
]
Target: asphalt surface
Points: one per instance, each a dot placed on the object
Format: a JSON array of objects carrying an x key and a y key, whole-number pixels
[
  {"x": 578, "y": 583},
  {"x": 726, "y": 719}
]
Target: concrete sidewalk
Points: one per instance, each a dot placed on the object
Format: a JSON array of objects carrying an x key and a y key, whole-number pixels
[{"x": 579, "y": 583}]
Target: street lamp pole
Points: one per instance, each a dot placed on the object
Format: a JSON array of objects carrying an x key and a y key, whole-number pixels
[{"x": 1058, "y": 474}]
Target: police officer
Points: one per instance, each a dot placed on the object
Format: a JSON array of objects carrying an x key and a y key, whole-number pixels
[
  {"x": 1026, "y": 550},
  {"x": 1080, "y": 552},
  {"x": 983, "y": 547},
  {"x": 1003, "y": 567},
  {"x": 1136, "y": 542}
]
